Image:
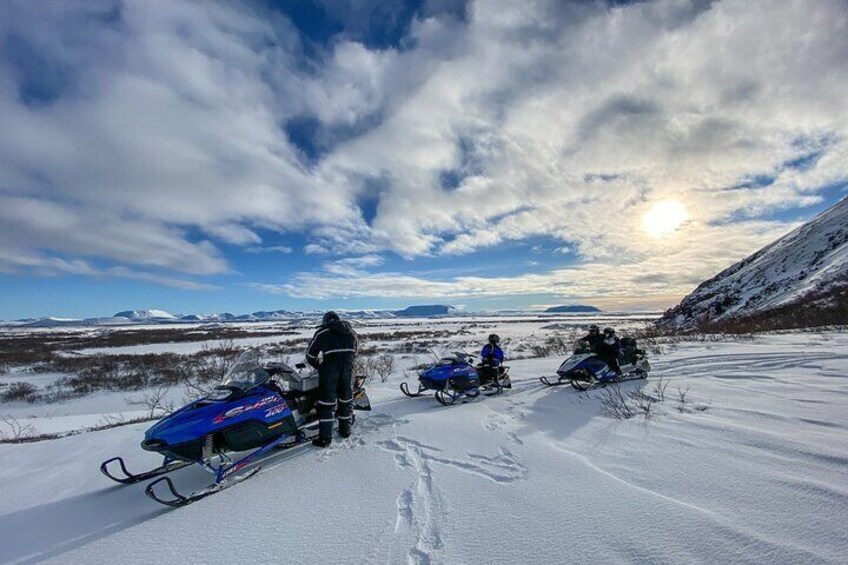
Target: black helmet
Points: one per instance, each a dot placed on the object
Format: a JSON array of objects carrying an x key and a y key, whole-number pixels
[
  {"x": 494, "y": 339},
  {"x": 593, "y": 329},
  {"x": 609, "y": 332},
  {"x": 329, "y": 317}
]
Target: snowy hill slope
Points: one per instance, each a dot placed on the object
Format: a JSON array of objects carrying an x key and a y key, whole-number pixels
[
  {"x": 535, "y": 476},
  {"x": 805, "y": 270}
]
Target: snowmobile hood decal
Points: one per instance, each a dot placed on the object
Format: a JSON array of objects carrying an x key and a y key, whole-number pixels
[{"x": 207, "y": 416}]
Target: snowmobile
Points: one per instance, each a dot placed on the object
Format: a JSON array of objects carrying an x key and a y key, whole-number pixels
[
  {"x": 427, "y": 380},
  {"x": 585, "y": 370},
  {"x": 455, "y": 377},
  {"x": 257, "y": 408}
]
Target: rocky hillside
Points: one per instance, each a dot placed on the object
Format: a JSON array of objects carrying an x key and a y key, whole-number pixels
[{"x": 799, "y": 280}]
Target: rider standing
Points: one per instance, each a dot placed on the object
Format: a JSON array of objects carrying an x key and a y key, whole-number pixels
[{"x": 337, "y": 343}]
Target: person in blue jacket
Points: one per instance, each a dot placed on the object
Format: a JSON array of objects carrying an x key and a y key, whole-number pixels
[
  {"x": 491, "y": 361},
  {"x": 492, "y": 354}
]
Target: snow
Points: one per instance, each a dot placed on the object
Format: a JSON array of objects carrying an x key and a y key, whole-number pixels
[{"x": 754, "y": 474}]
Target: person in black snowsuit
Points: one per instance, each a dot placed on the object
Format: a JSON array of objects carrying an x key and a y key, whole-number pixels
[
  {"x": 337, "y": 344},
  {"x": 609, "y": 350},
  {"x": 593, "y": 338}
]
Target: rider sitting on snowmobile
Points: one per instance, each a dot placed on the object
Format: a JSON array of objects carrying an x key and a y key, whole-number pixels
[
  {"x": 593, "y": 339},
  {"x": 491, "y": 358},
  {"x": 338, "y": 343},
  {"x": 609, "y": 350}
]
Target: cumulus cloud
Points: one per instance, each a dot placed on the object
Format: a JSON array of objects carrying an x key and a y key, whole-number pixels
[{"x": 146, "y": 133}]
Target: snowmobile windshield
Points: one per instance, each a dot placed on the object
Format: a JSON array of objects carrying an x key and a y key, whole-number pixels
[
  {"x": 456, "y": 359},
  {"x": 246, "y": 372},
  {"x": 582, "y": 347}
]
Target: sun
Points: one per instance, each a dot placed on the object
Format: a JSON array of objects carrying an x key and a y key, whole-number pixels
[{"x": 664, "y": 218}]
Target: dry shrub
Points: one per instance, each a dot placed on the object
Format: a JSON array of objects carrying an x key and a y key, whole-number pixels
[
  {"x": 556, "y": 343},
  {"x": 13, "y": 431},
  {"x": 384, "y": 366},
  {"x": 623, "y": 406},
  {"x": 20, "y": 392}
]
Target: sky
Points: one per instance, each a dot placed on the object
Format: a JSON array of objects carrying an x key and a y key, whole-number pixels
[{"x": 249, "y": 155}]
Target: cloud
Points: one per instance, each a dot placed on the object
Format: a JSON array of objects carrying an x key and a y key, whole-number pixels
[
  {"x": 614, "y": 279},
  {"x": 164, "y": 125},
  {"x": 147, "y": 133},
  {"x": 284, "y": 249},
  {"x": 11, "y": 263}
]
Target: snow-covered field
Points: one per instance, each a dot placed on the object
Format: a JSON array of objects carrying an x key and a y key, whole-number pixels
[{"x": 751, "y": 469}]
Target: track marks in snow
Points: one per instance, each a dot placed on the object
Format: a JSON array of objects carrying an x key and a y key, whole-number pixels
[
  {"x": 421, "y": 508},
  {"x": 494, "y": 422},
  {"x": 505, "y": 467},
  {"x": 362, "y": 429}
]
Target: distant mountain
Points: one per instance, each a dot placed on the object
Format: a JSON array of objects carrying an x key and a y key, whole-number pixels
[
  {"x": 425, "y": 311},
  {"x": 800, "y": 280},
  {"x": 368, "y": 314},
  {"x": 152, "y": 314},
  {"x": 156, "y": 316},
  {"x": 53, "y": 322},
  {"x": 225, "y": 317},
  {"x": 572, "y": 309}
]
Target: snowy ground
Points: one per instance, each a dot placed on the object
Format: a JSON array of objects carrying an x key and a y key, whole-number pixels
[{"x": 538, "y": 475}]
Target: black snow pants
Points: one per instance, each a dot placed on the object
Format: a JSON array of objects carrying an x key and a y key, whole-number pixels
[
  {"x": 335, "y": 386},
  {"x": 612, "y": 362}
]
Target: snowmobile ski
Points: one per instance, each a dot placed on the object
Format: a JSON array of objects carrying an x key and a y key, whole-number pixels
[
  {"x": 131, "y": 478},
  {"x": 404, "y": 388},
  {"x": 450, "y": 396},
  {"x": 583, "y": 385},
  {"x": 559, "y": 381},
  {"x": 177, "y": 500},
  {"x": 227, "y": 475}
]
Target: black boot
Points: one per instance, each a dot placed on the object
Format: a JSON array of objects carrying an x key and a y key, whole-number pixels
[
  {"x": 322, "y": 442},
  {"x": 344, "y": 427}
]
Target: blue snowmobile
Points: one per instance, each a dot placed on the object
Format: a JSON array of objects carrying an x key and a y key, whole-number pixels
[
  {"x": 431, "y": 378},
  {"x": 257, "y": 409},
  {"x": 455, "y": 377},
  {"x": 585, "y": 370}
]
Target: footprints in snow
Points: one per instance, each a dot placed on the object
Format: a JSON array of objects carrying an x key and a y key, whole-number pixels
[
  {"x": 362, "y": 429},
  {"x": 421, "y": 508},
  {"x": 495, "y": 422},
  {"x": 502, "y": 468}
]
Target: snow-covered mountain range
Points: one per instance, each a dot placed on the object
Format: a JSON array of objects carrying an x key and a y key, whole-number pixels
[
  {"x": 799, "y": 280},
  {"x": 158, "y": 316}
]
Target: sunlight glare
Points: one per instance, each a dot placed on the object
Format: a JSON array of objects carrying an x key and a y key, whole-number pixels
[{"x": 664, "y": 218}]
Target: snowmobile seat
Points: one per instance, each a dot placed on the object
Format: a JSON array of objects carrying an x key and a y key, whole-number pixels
[
  {"x": 629, "y": 351},
  {"x": 291, "y": 380}
]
